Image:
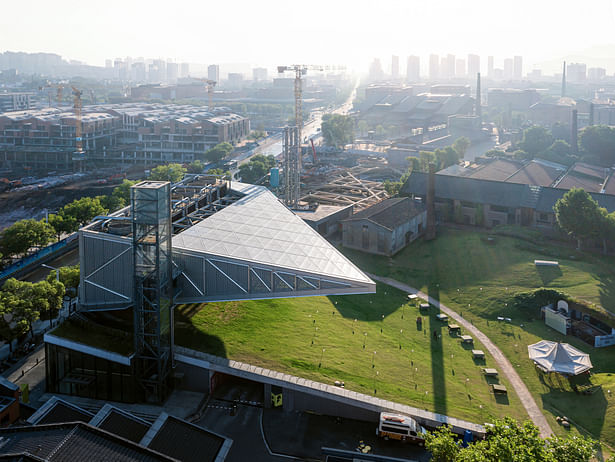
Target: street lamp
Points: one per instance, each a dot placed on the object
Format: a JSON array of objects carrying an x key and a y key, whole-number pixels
[{"x": 57, "y": 270}]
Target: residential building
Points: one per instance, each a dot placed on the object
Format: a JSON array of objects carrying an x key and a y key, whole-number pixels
[
  {"x": 15, "y": 101},
  {"x": 395, "y": 67},
  {"x": 213, "y": 72},
  {"x": 460, "y": 68},
  {"x": 172, "y": 72},
  {"x": 413, "y": 69},
  {"x": 518, "y": 67},
  {"x": 490, "y": 67},
  {"x": 596, "y": 74},
  {"x": 259, "y": 74},
  {"x": 576, "y": 72},
  {"x": 375, "y": 71},
  {"x": 473, "y": 65},
  {"x": 508, "y": 69},
  {"x": 386, "y": 227},
  {"x": 434, "y": 67},
  {"x": 184, "y": 70}
]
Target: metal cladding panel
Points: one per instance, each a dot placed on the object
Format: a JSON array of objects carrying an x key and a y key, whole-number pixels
[
  {"x": 106, "y": 275},
  {"x": 191, "y": 282}
]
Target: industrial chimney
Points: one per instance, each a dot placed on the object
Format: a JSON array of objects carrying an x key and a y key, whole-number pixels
[
  {"x": 478, "y": 109},
  {"x": 430, "y": 232},
  {"x": 564, "y": 80},
  {"x": 573, "y": 132}
]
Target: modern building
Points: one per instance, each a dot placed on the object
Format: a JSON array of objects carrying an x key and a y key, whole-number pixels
[
  {"x": 259, "y": 74},
  {"x": 473, "y": 65},
  {"x": 172, "y": 72},
  {"x": 596, "y": 74},
  {"x": 518, "y": 68},
  {"x": 460, "y": 68},
  {"x": 213, "y": 72},
  {"x": 434, "y": 67},
  {"x": 15, "y": 101},
  {"x": 200, "y": 241},
  {"x": 490, "y": 67},
  {"x": 184, "y": 70},
  {"x": 395, "y": 67},
  {"x": 508, "y": 69},
  {"x": 413, "y": 69},
  {"x": 386, "y": 227},
  {"x": 576, "y": 72}
]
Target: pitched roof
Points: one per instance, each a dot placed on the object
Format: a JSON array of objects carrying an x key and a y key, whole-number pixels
[
  {"x": 390, "y": 213},
  {"x": 183, "y": 440},
  {"x": 56, "y": 410},
  {"x": 120, "y": 423},
  {"x": 73, "y": 441},
  {"x": 499, "y": 193}
]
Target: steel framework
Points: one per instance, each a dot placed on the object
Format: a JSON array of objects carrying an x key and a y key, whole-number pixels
[
  {"x": 292, "y": 154},
  {"x": 153, "y": 311}
]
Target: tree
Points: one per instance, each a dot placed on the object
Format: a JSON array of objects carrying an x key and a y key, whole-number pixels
[
  {"x": 123, "y": 190},
  {"x": 461, "y": 146},
  {"x": 62, "y": 225},
  {"x": 220, "y": 172},
  {"x": 170, "y": 172},
  {"x": 111, "y": 202},
  {"x": 18, "y": 299},
  {"x": 69, "y": 276},
  {"x": 599, "y": 141},
  {"x": 577, "y": 213},
  {"x": 20, "y": 236},
  {"x": 605, "y": 227},
  {"x": 362, "y": 127},
  {"x": 82, "y": 210},
  {"x": 337, "y": 130},
  {"x": 257, "y": 168},
  {"x": 446, "y": 157},
  {"x": 196, "y": 167},
  {"x": 218, "y": 152},
  {"x": 535, "y": 139},
  {"x": 509, "y": 441}
]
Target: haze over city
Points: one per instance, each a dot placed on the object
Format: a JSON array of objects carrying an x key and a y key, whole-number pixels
[{"x": 320, "y": 31}]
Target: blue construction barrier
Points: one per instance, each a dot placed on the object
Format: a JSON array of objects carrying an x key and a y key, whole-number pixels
[{"x": 36, "y": 257}]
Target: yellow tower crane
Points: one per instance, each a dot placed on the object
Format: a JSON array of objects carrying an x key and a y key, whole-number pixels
[
  {"x": 59, "y": 91},
  {"x": 210, "y": 91}
]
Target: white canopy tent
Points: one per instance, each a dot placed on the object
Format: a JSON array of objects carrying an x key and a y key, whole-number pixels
[{"x": 559, "y": 357}]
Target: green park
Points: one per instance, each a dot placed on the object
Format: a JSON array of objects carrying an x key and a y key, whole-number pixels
[{"x": 374, "y": 344}]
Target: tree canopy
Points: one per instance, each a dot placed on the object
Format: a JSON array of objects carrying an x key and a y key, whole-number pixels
[
  {"x": 337, "y": 130},
  {"x": 18, "y": 238},
  {"x": 598, "y": 141},
  {"x": 535, "y": 139},
  {"x": 509, "y": 441},
  {"x": 256, "y": 168},
  {"x": 122, "y": 191},
  {"x": 170, "y": 172},
  {"x": 461, "y": 146},
  {"x": 578, "y": 214},
  {"x": 69, "y": 276},
  {"x": 218, "y": 152},
  {"x": 82, "y": 210}
]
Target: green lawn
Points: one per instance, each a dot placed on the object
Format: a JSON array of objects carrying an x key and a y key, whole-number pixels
[
  {"x": 314, "y": 337},
  {"x": 323, "y": 339},
  {"x": 478, "y": 277}
]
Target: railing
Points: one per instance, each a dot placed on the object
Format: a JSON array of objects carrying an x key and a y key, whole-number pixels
[{"x": 36, "y": 256}]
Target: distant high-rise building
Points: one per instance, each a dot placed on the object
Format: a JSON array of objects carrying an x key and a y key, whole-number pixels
[
  {"x": 138, "y": 72},
  {"x": 184, "y": 69},
  {"x": 235, "y": 79},
  {"x": 213, "y": 72},
  {"x": 172, "y": 72},
  {"x": 473, "y": 65},
  {"x": 576, "y": 72},
  {"x": 508, "y": 68},
  {"x": 259, "y": 74},
  {"x": 490, "y": 67},
  {"x": 518, "y": 68},
  {"x": 595, "y": 74},
  {"x": 450, "y": 66},
  {"x": 108, "y": 63},
  {"x": 413, "y": 69},
  {"x": 536, "y": 74},
  {"x": 375, "y": 70},
  {"x": 395, "y": 67},
  {"x": 460, "y": 67},
  {"x": 434, "y": 67}
]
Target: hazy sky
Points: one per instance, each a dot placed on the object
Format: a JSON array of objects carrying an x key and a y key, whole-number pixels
[{"x": 319, "y": 31}]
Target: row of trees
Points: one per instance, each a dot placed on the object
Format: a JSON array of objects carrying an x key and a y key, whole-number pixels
[
  {"x": 441, "y": 158},
  {"x": 596, "y": 145},
  {"x": 580, "y": 216},
  {"x": 337, "y": 130},
  {"x": 509, "y": 441},
  {"x": 256, "y": 168}
]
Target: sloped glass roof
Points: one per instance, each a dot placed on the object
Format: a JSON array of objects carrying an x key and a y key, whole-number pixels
[{"x": 259, "y": 229}]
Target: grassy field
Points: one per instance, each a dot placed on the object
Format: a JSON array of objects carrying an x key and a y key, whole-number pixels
[
  {"x": 322, "y": 338},
  {"x": 478, "y": 278},
  {"x": 371, "y": 342}
]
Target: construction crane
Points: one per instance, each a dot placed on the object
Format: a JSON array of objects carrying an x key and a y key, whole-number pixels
[
  {"x": 292, "y": 174},
  {"x": 60, "y": 89},
  {"x": 78, "y": 155},
  {"x": 210, "y": 91}
]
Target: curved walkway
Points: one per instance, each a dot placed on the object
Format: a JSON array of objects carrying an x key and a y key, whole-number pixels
[{"x": 504, "y": 365}]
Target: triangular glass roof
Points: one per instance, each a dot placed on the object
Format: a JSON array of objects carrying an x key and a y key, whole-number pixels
[{"x": 259, "y": 229}]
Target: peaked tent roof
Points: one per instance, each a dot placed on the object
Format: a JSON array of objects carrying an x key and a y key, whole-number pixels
[
  {"x": 559, "y": 357},
  {"x": 260, "y": 232}
]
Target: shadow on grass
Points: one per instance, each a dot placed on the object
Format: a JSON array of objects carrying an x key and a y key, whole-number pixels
[
  {"x": 437, "y": 355},
  {"x": 188, "y": 336},
  {"x": 371, "y": 307},
  {"x": 501, "y": 398},
  {"x": 548, "y": 274}
]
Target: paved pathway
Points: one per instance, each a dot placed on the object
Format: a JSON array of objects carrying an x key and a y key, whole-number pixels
[{"x": 504, "y": 365}]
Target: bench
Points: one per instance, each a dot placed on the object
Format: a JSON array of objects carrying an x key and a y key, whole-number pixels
[
  {"x": 467, "y": 339},
  {"x": 478, "y": 354},
  {"x": 490, "y": 372},
  {"x": 442, "y": 317},
  {"x": 497, "y": 388}
]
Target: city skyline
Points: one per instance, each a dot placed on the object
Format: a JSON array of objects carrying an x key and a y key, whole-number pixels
[{"x": 254, "y": 36}]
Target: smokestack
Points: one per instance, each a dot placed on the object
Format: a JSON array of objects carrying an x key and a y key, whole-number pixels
[
  {"x": 430, "y": 231},
  {"x": 591, "y": 114},
  {"x": 573, "y": 132},
  {"x": 478, "y": 108},
  {"x": 564, "y": 80}
]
